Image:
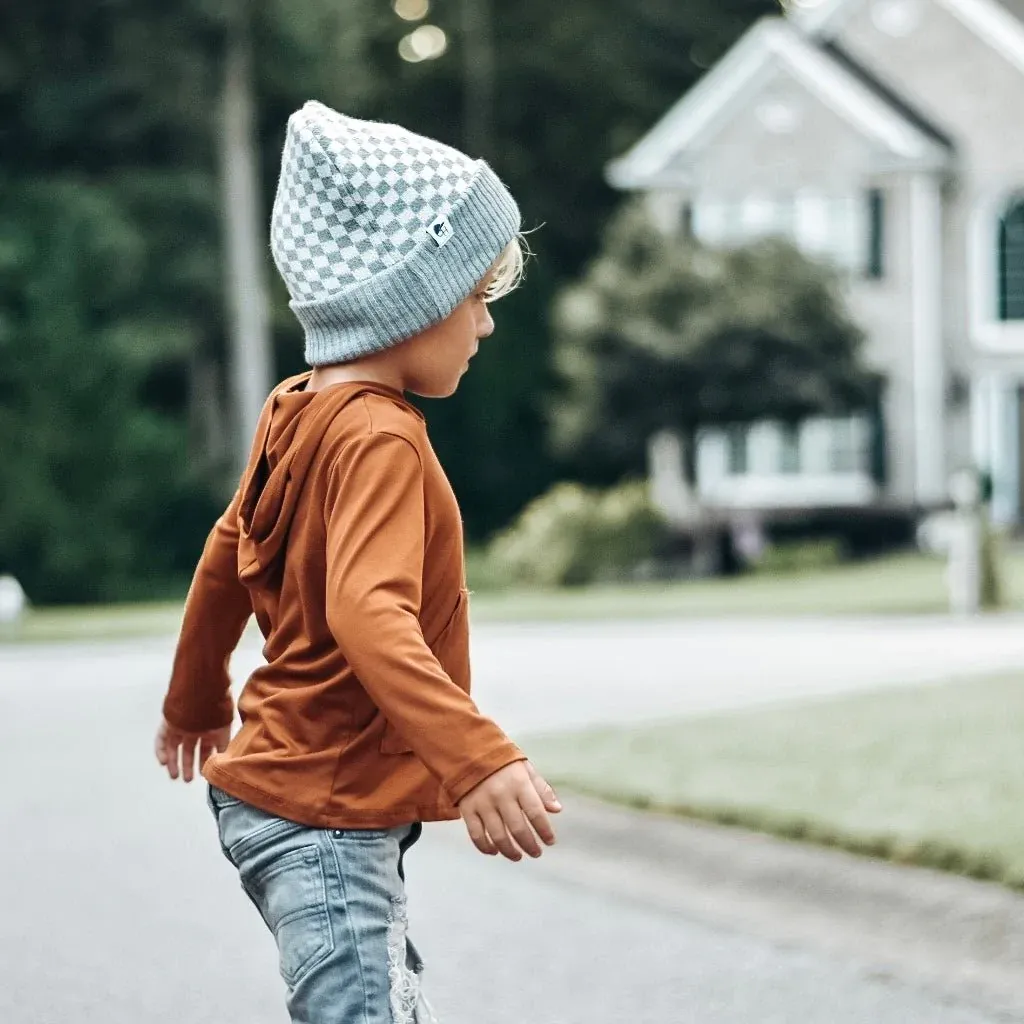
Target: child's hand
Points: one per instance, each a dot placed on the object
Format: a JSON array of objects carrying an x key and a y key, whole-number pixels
[
  {"x": 176, "y": 750},
  {"x": 503, "y": 808}
]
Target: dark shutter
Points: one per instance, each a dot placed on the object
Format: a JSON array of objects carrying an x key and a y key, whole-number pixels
[
  {"x": 1011, "y": 263},
  {"x": 686, "y": 222},
  {"x": 876, "y": 234}
]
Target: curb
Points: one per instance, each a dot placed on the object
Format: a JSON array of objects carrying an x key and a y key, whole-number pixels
[{"x": 943, "y": 932}]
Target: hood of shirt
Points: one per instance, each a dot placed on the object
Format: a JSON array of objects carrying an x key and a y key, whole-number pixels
[{"x": 285, "y": 449}]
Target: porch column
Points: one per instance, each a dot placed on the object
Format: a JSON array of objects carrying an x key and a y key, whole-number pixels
[
  {"x": 929, "y": 384},
  {"x": 1005, "y": 452},
  {"x": 981, "y": 422},
  {"x": 995, "y": 441}
]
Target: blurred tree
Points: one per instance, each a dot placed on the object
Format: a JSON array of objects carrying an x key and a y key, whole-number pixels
[
  {"x": 109, "y": 295},
  {"x": 109, "y": 122},
  {"x": 112, "y": 338},
  {"x": 664, "y": 333},
  {"x": 97, "y": 499}
]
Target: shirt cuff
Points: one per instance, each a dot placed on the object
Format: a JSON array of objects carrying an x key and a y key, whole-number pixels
[{"x": 483, "y": 768}]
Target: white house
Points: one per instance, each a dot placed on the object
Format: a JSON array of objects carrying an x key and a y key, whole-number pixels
[{"x": 886, "y": 136}]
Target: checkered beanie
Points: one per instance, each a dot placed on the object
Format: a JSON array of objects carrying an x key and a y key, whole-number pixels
[{"x": 379, "y": 233}]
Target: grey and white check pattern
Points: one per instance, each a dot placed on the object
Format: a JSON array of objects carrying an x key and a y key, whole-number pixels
[
  {"x": 379, "y": 233},
  {"x": 355, "y": 198}
]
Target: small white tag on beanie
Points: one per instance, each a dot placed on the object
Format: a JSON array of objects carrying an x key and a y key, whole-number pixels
[{"x": 441, "y": 231}]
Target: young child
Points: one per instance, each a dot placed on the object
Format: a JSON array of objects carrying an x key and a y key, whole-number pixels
[{"x": 345, "y": 540}]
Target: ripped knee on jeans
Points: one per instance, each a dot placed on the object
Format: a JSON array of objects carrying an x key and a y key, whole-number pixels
[{"x": 408, "y": 1005}]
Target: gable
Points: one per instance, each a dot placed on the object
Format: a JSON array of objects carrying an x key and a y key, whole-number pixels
[
  {"x": 770, "y": 51},
  {"x": 949, "y": 70},
  {"x": 1000, "y": 26},
  {"x": 775, "y": 144}
]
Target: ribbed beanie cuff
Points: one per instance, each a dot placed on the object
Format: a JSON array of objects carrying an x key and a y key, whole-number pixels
[{"x": 421, "y": 290}]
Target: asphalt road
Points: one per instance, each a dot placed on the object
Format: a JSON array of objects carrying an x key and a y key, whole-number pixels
[{"x": 116, "y": 906}]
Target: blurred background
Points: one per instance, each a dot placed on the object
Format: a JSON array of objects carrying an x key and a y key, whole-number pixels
[
  {"x": 751, "y": 434},
  {"x": 134, "y": 139},
  {"x": 766, "y": 321}
]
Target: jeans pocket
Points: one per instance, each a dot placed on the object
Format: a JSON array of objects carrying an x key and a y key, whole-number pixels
[
  {"x": 362, "y": 835},
  {"x": 218, "y": 799},
  {"x": 291, "y": 894}
]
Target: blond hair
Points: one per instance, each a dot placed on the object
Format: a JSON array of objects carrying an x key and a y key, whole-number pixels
[{"x": 507, "y": 271}]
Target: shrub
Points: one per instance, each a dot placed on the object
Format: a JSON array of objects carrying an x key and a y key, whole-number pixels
[
  {"x": 801, "y": 556},
  {"x": 991, "y": 557},
  {"x": 573, "y": 535}
]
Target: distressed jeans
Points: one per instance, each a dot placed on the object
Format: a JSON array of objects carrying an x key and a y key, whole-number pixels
[{"x": 334, "y": 900}]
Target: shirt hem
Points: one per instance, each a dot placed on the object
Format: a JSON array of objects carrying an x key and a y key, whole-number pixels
[{"x": 400, "y": 814}]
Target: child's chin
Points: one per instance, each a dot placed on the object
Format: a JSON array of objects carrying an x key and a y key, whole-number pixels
[{"x": 439, "y": 391}]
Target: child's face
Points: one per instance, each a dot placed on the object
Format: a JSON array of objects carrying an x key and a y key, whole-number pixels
[{"x": 433, "y": 362}]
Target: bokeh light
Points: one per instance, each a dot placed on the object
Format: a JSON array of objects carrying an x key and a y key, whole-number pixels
[
  {"x": 428, "y": 42},
  {"x": 411, "y": 10}
]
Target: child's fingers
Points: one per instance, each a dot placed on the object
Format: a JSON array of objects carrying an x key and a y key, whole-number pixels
[
  {"x": 544, "y": 790},
  {"x": 162, "y": 743},
  {"x": 207, "y": 747},
  {"x": 499, "y": 835},
  {"x": 188, "y": 757},
  {"x": 171, "y": 758},
  {"x": 477, "y": 832},
  {"x": 515, "y": 821},
  {"x": 536, "y": 813}
]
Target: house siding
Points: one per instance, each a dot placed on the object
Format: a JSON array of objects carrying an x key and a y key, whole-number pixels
[
  {"x": 955, "y": 79},
  {"x": 941, "y": 74},
  {"x": 884, "y": 309},
  {"x": 975, "y": 94},
  {"x": 744, "y": 156}
]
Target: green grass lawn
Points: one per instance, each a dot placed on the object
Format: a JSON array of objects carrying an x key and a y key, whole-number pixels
[
  {"x": 932, "y": 775},
  {"x": 898, "y": 585},
  {"x": 908, "y": 584},
  {"x": 98, "y": 622}
]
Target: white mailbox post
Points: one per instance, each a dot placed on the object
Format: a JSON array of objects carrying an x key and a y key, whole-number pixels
[
  {"x": 964, "y": 569},
  {"x": 12, "y": 600}
]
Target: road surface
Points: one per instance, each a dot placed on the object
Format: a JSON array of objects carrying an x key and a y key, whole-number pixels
[{"x": 117, "y": 906}]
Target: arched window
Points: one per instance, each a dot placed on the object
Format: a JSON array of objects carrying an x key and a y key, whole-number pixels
[{"x": 1011, "y": 261}]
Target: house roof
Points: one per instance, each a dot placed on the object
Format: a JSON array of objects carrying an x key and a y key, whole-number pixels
[
  {"x": 991, "y": 20},
  {"x": 890, "y": 96},
  {"x": 827, "y": 74}
]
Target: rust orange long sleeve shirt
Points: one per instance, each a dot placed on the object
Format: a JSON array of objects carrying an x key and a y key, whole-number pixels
[{"x": 345, "y": 540}]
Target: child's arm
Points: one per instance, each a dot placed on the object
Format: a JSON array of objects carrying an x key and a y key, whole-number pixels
[
  {"x": 198, "y": 707},
  {"x": 375, "y": 552}
]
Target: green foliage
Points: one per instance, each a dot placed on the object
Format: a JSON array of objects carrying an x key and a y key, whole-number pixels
[
  {"x": 573, "y": 535},
  {"x": 109, "y": 292},
  {"x": 95, "y": 492},
  {"x": 801, "y": 556},
  {"x": 112, "y": 339},
  {"x": 662, "y": 332},
  {"x": 992, "y": 558}
]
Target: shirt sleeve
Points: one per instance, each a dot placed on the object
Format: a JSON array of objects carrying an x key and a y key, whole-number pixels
[
  {"x": 216, "y": 610},
  {"x": 375, "y": 552}
]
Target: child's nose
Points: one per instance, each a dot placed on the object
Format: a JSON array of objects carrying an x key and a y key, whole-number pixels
[{"x": 486, "y": 327}]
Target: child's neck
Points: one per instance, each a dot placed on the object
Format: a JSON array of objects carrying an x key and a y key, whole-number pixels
[{"x": 369, "y": 370}]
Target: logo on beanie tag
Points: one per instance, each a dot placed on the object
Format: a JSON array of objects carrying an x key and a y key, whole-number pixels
[{"x": 441, "y": 231}]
